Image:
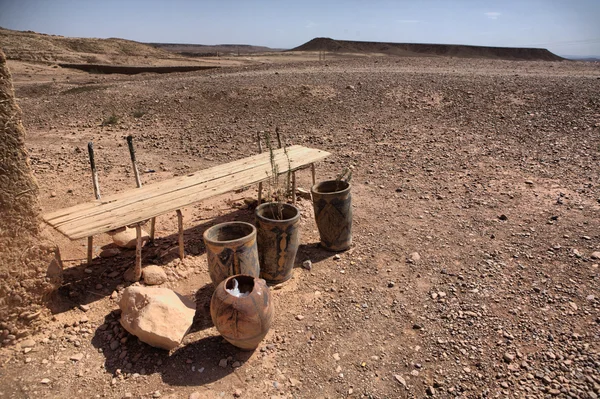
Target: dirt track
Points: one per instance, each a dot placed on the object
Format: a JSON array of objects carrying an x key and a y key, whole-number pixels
[{"x": 487, "y": 169}]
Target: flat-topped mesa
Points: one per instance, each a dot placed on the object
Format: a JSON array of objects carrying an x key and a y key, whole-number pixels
[{"x": 428, "y": 50}]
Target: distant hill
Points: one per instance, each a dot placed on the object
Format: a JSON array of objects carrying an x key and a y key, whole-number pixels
[
  {"x": 203, "y": 50},
  {"x": 32, "y": 46},
  {"x": 419, "y": 50}
]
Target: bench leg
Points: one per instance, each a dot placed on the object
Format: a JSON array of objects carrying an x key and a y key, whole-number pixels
[
  {"x": 137, "y": 271},
  {"x": 294, "y": 187},
  {"x": 314, "y": 173},
  {"x": 152, "y": 229},
  {"x": 90, "y": 250},
  {"x": 180, "y": 225},
  {"x": 260, "y": 187}
]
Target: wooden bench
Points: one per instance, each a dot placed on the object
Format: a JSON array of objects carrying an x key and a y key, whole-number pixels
[{"x": 137, "y": 205}]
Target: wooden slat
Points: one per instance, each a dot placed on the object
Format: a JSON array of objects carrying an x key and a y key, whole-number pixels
[
  {"x": 173, "y": 184},
  {"x": 152, "y": 200}
]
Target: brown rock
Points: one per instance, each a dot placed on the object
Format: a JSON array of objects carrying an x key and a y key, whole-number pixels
[
  {"x": 157, "y": 316},
  {"x": 154, "y": 275},
  {"x": 127, "y": 237}
]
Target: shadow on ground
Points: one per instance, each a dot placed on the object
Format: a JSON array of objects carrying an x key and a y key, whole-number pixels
[
  {"x": 197, "y": 363},
  {"x": 84, "y": 284}
]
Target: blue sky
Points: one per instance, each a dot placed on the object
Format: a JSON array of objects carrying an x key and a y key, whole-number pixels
[{"x": 566, "y": 27}]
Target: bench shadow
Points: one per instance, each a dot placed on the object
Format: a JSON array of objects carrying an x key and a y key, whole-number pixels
[
  {"x": 85, "y": 284},
  {"x": 195, "y": 364}
]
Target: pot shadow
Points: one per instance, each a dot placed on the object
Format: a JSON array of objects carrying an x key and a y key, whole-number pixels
[
  {"x": 205, "y": 356},
  {"x": 202, "y": 319},
  {"x": 313, "y": 252},
  {"x": 197, "y": 363},
  {"x": 85, "y": 284}
]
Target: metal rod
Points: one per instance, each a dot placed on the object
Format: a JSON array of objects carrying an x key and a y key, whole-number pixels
[
  {"x": 314, "y": 173},
  {"x": 180, "y": 225}
]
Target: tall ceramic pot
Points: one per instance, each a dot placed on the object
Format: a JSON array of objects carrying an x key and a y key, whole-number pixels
[
  {"x": 230, "y": 250},
  {"x": 278, "y": 240},
  {"x": 243, "y": 316},
  {"x": 332, "y": 203}
]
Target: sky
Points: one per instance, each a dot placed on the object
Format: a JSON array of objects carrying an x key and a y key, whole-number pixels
[{"x": 565, "y": 27}]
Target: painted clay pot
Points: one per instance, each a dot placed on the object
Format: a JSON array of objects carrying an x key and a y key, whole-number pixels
[
  {"x": 242, "y": 320},
  {"x": 332, "y": 203},
  {"x": 230, "y": 250},
  {"x": 278, "y": 240}
]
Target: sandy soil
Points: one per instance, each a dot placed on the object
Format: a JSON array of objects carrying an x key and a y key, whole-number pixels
[{"x": 476, "y": 203}]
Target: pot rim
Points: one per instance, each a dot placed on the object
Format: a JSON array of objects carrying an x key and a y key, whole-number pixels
[
  {"x": 314, "y": 188},
  {"x": 226, "y": 281},
  {"x": 266, "y": 204},
  {"x": 234, "y": 241}
]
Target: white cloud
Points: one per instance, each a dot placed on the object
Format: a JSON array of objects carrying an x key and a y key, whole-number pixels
[
  {"x": 408, "y": 21},
  {"x": 492, "y": 14}
]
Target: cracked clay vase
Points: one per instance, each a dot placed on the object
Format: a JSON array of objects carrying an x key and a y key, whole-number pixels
[
  {"x": 278, "y": 240},
  {"x": 241, "y": 309},
  {"x": 230, "y": 250},
  {"x": 332, "y": 203}
]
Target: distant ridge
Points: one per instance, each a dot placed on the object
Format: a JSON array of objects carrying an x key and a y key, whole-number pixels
[
  {"x": 205, "y": 50},
  {"x": 420, "y": 50}
]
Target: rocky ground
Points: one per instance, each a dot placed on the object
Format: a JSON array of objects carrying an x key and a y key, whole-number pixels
[{"x": 474, "y": 271}]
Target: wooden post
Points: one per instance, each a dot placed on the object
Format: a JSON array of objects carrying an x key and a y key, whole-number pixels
[
  {"x": 94, "y": 172},
  {"x": 260, "y": 185},
  {"x": 138, "y": 181},
  {"x": 180, "y": 225},
  {"x": 294, "y": 187},
  {"x": 137, "y": 271},
  {"x": 90, "y": 251},
  {"x": 314, "y": 173}
]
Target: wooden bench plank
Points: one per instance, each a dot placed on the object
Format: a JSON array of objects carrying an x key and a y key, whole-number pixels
[
  {"x": 174, "y": 183},
  {"x": 137, "y": 205}
]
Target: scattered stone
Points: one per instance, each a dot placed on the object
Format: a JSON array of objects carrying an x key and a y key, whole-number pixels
[
  {"x": 237, "y": 393},
  {"x": 430, "y": 391},
  {"x": 336, "y": 357},
  {"x": 303, "y": 193},
  {"x": 414, "y": 257},
  {"x": 529, "y": 182},
  {"x": 236, "y": 365},
  {"x": 299, "y": 317},
  {"x": 85, "y": 308},
  {"x": 127, "y": 237},
  {"x": 195, "y": 395},
  {"x": 595, "y": 255},
  {"x": 28, "y": 343},
  {"x": 154, "y": 275},
  {"x": 508, "y": 357},
  {"x": 45, "y": 381},
  {"x": 337, "y": 257},
  {"x": 573, "y": 306},
  {"x": 391, "y": 284},
  {"x": 503, "y": 217},
  {"x": 77, "y": 357},
  {"x": 350, "y": 87},
  {"x": 156, "y": 394},
  {"x": 417, "y": 326},
  {"x": 157, "y": 316},
  {"x": 400, "y": 380},
  {"x": 223, "y": 363},
  {"x": 109, "y": 252},
  {"x": 307, "y": 264}
]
